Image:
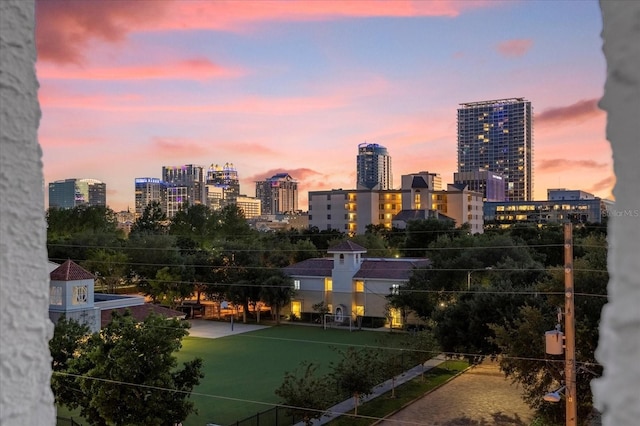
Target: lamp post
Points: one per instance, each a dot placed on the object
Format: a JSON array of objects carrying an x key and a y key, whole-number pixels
[{"x": 474, "y": 270}]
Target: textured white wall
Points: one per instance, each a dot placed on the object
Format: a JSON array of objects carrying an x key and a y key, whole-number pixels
[
  {"x": 617, "y": 393},
  {"x": 25, "y": 329}
]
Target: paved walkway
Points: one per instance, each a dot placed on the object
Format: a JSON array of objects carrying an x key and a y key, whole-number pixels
[
  {"x": 480, "y": 396},
  {"x": 348, "y": 405}
]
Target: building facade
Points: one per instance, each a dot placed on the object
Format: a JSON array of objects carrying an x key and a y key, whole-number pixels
[
  {"x": 505, "y": 214},
  {"x": 497, "y": 136},
  {"x": 490, "y": 184},
  {"x": 250, "y": 206},
  {"x": 462, "y": 205},
  {"x": 350, "y": 284},
  {"x": 225, "y": 177},
  {"x": 351, "y": 211},
  {"x": 69, "y": 193},
  {"x": 373, "y": 167},
  {"x": 149, "y": 190},
  {"x": 190, "y": 176},
  {"x": 278, "y": 194}
]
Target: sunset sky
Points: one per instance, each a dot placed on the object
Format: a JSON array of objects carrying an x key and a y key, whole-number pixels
[{"x": 127, "y": 87}]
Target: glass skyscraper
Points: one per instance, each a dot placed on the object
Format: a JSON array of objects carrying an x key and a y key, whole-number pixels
[
  {"x": 69, "y": 193},
  {"x": 373, "y": 167},
  {"x": 497, "y": 136}
]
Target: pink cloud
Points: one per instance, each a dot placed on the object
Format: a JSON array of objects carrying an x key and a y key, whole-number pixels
[
  {"x": 514, "y": 48},
  {"x": 176, "y": 148},
  {"x": 189, "y": 69},
  {"x": 580, "y": 110},
  {"x": 66, "y": 28},
  {"x": 605, "y": 184},
  {"x": 557, "y": 164}
]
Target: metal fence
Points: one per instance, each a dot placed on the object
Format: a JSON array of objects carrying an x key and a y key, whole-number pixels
[
  {"x": 66, "y": 421},
  {"x": 276, "y": 416}
]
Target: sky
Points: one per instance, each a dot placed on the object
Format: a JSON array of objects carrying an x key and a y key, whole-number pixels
[{"x": 127, "y": 87}]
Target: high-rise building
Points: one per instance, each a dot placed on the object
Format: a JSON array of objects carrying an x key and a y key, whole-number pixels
[
  {"x": 225, "y": 177},
  {"x": 278, "y": 194},
  {"x": 497, "y": 136},
  {"x": 373, "y": 167},
  {"x": 69, "y": 193},
  {"x": 189, "y": 176},
  {"x": 147, "y": 191}
]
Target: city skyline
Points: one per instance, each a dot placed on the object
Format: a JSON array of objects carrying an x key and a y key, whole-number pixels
[{"x": 272, "y": 87}]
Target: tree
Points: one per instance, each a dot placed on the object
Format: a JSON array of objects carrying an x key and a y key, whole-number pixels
[
  {"x": 152, "y": 221},
  {"x": 307, "y": 394},
  {"x": 127, "y": 374},
  {"x": 68, "y": 337},
  {"x": 276, "y": 292},
  {"x": 357, "y": 372},
  {"x": 109, "y": 267}
]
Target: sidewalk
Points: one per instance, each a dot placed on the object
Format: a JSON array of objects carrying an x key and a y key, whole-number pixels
[{"x": 348, "y": 405}]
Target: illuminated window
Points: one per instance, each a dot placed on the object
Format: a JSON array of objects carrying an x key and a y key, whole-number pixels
[
  {"x": 359, "y": 286},
  {"x": 395, "y": 288},
  {"x": 359, "y": 311},
  {"x": 296, "y": 284},
  {"x": 328, "y": 284},
  {"x": 296, "y": 308}
]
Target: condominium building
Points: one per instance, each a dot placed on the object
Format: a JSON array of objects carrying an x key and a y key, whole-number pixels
[
  {"x": 462, "y": 205},
  {"x": 250, "y": 206},
  {"x": 278, "y": 194},
  {"x": 69, "y": 193},
  {"x": 147, "y": 191},
  {"x": 507, "y": 213},
  {"x": 373, "y": 167},
  {"x": 352, "y": 210},
  {"x": 497, "y": 136},
  {"x": 189, "y": 176}
]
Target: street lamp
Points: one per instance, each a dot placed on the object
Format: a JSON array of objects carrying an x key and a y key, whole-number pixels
[{"x": 474, "y": 270}]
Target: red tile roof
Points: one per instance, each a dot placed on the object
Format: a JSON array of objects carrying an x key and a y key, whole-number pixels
[
  {"x": 141, "y": 312},
  {"x": 347, "y": 246},
  {"x": 70, "y": 271}
]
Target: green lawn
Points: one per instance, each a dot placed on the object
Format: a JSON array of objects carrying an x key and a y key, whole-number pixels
[{"x": 248, "y": 367}]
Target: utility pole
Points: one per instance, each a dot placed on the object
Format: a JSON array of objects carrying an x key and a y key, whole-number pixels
[{"x": 570, "y": 330}]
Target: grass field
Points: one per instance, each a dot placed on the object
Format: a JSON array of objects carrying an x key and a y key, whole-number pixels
[
  {"x": 250, "y": 366},
  {"x": 242, "y": 371}
]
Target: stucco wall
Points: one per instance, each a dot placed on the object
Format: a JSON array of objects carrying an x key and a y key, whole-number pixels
[
  {"x": 25, "y": 329},
  {"x": 616, "y": 393},
  {"x": 25, "y": 397}
]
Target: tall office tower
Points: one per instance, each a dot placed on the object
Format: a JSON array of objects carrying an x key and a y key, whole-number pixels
[
  {"x": 189, "y": 176},
  {"x": 497, "y": 136},
  {"x": 69, "y": 193},
  {"x": 278, "y": 194},
  {"x": 148, "y": 190},
  {"x": 225, "y": 177},
  {"x": 373, "y": 167}
]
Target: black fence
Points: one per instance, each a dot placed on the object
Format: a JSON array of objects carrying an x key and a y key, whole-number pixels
[
  {"x": 66, "y": 421},
  {"x": 276, "y": 416}
]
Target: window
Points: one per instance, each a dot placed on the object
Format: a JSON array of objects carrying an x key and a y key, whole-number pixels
[
  {"x": 359, "y": 311},
  {"x": 359, "y": 284},
  {"x": 395, "y": 288},
  {"x": 296, "y": 284},
  {"x": 341, "y": 259},
  {"x": 328, "y": 206},
  {"x": 310, "y": 217},
  {"x": 328, "y": 217},
  {"x": 55, "y": 295},
  {"x": 328, "y": 284},
  {"x": 80, "y": 295}
]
